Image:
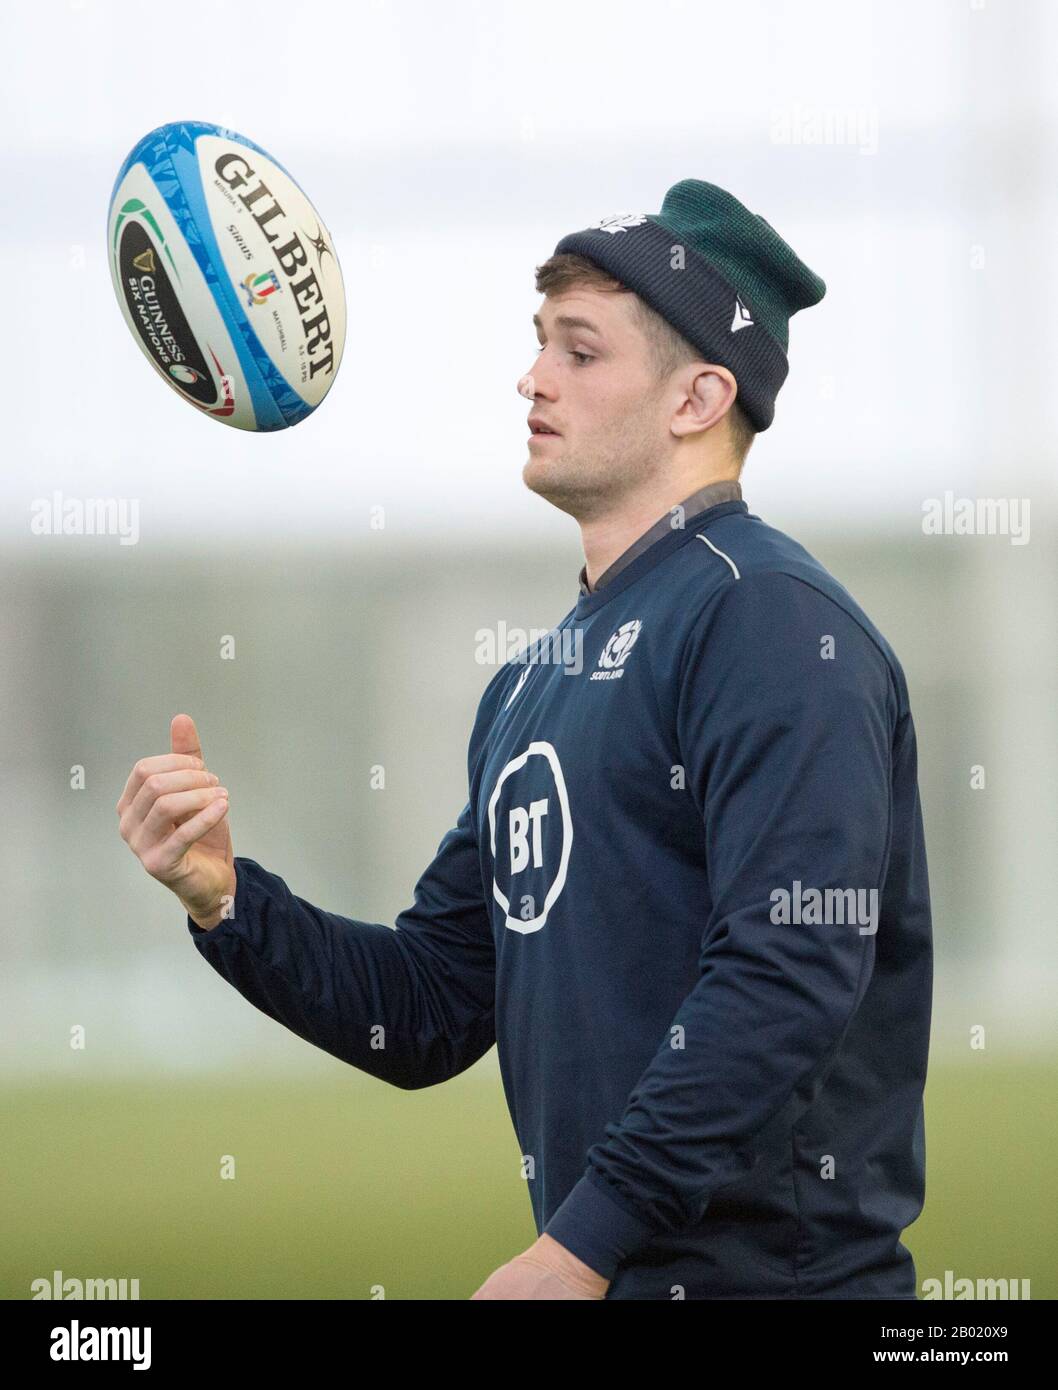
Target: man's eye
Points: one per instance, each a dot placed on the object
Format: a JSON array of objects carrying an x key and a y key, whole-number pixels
[{"x": 581, "y": 356}]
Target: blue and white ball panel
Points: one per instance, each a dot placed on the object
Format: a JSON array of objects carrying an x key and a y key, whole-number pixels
[
  {"x": 226, "y": 276},
  {"x": 162, "y": 292}
]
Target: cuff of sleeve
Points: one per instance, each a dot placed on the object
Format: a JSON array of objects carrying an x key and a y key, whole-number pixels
[
  {"x": 598, "y": 1228},
  {"x": 203, "y": 933},
  {"x": 225, "y": 925}
]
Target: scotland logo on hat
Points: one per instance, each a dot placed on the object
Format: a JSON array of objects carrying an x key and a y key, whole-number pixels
[{"x": 618, "y": 222}]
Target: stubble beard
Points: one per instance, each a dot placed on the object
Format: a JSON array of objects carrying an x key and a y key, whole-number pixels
[{"x": 591, "y": 481}]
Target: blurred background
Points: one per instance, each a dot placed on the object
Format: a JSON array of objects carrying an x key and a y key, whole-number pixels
[{"x": 906, "y": 151}]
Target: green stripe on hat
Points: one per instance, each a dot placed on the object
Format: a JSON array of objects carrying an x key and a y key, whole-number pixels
[{"x": 747, "y": 251}]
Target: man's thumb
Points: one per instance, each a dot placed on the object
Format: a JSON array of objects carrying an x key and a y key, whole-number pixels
[{"x": 183, "y": 736}]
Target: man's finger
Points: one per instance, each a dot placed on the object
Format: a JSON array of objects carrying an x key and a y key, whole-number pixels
[
  {"x": 162, "y": 858},
  {"x": 147, "y": 767},
  {"x": 136, "y": 810},
  {"x": 183, "y": 736},
  {"x": 169, "y": 810}
]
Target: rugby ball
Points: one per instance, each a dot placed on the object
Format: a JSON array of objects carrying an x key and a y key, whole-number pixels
[{"x": 226, "y": 275}]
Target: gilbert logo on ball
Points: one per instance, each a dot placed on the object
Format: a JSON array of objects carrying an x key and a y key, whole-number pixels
[{"x": 226, "y": 275}]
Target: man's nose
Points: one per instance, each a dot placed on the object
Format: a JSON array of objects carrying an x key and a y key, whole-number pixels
[{"x": 537, "y": 381}]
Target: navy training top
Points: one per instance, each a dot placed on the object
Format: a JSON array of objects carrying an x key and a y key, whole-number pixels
[{"x": 688, "y": 900}]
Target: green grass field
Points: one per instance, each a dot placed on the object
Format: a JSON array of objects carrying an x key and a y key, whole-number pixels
[{"x": 346, "y": 1185}]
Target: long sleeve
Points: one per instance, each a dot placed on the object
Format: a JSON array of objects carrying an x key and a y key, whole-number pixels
[
  {"x": 786, "y": 741},
  {"x": 412, "y": 1006}
]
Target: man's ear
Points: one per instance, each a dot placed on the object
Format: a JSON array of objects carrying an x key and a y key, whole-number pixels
[{"x": 708, "y": 395}]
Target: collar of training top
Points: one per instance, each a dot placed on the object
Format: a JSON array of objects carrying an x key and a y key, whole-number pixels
[
  {"x": 672, "y": 539},
  {"x": 727, "y": 490}
]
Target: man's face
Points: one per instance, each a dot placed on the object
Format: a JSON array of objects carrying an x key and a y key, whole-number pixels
[{"x": 594, "y": 384}]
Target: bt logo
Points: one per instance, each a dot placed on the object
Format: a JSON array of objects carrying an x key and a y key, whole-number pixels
[
  {"x": 518, "y": 821},
  {"x": 529, "y": 811}
]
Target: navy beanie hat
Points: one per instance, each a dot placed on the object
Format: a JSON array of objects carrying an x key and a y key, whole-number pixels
[{"x": 719, "y": 274}]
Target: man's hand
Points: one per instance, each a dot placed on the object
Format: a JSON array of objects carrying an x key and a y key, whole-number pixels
[
  {"x": 545, "y": 1270},
  {"x": 173, "y": 816}
]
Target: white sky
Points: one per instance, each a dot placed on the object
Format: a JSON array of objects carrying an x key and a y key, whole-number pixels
[{"x": 449, "y": 147}]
